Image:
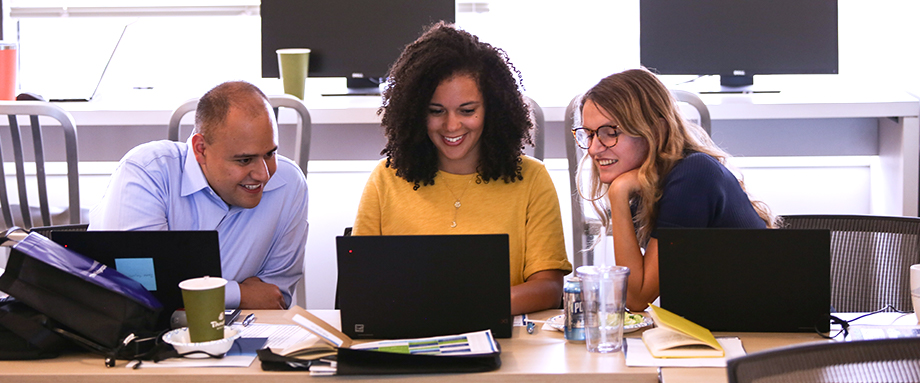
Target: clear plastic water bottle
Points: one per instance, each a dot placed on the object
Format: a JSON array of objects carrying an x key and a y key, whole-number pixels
[{"x": 574, "y": 329}]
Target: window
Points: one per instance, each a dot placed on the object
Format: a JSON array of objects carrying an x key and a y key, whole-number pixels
[{"x": 560, "y": 47}]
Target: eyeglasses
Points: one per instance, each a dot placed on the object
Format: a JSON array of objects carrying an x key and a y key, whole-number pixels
[{"x": 607, "y": 135}]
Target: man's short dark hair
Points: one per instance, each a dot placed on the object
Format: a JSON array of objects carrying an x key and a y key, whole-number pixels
[{"x": 214, "y": 106}]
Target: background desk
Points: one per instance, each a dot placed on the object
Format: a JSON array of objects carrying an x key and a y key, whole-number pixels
[
  {"x": 812, "y": 117},
  {"x": 542, "y": 357}
]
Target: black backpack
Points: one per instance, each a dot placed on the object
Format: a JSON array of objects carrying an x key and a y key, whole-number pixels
[{"x": 28, "y": 334}]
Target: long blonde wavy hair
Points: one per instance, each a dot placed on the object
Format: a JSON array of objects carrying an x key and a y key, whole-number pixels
[{"x": 644, "y": 108}]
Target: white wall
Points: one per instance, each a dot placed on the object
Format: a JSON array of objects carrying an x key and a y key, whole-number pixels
[
  {"x": 793, "y": 185},
  {"x": 560, "y": 47}
]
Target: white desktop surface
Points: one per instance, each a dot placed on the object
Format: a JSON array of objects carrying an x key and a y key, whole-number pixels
[{"x": 801, "y": 97}]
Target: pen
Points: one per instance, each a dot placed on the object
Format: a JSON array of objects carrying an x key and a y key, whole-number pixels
[{"x": 249, "y": 319}]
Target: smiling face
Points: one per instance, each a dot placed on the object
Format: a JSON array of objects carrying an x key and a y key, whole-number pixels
[
  {"x": 456, "y": 115},
  {"x": 628, "y": 153},
  {"x": 240, "y": 158}
]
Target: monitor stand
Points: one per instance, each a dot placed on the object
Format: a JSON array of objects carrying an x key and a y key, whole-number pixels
[
  {"x": 359, "y": 86},
  {"x": 731, "y": 84}
]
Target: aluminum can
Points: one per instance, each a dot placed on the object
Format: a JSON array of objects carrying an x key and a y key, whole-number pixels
[{"x": 574, "y": 328}]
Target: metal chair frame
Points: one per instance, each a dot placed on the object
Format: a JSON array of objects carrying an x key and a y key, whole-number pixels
[
  {"x": 36, "y": 109},
  {"x": 301, "y": 152},
  {"x": 538, "y": 126}
]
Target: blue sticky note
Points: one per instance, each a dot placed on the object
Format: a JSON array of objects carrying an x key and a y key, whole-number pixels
[
  {"x": 138, "y": 269},
  {"x": 247, "y": 346}
]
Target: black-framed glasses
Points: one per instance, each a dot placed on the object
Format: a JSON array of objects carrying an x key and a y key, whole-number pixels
[{"x": 607, "y": 135}]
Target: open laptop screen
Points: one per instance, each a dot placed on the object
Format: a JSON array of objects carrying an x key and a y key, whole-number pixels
[
  {"x": 159, "y": 260},
  {"x": 423, "y": 285},
  {"x": 760, "y": 280}
]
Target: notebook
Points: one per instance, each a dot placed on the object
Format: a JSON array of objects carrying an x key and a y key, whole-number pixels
[
  {"x": 159, "y": 260},
  {"x": 424, "y": 285},
  {"x": 746, "y": 280},
  {"x": 63, "y": 93}
]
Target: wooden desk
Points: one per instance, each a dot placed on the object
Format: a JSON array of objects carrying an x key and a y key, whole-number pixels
[{"x": 542, "y": 357}]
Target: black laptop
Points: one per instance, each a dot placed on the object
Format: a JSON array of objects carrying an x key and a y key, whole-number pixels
[
  {"x": 64, "y": 92},
  {"x": 747, "y": 280},
  {"x": 159, "y": 260},
  {"x": 424, "y": 285}
]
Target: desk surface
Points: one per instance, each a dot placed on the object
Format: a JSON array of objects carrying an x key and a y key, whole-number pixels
[
  {"x": 809, "y": 97},
  {"x": 541, "y": 357}
]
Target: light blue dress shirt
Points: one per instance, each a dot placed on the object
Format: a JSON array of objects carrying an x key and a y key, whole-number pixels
[{"x": 160, "y": 186}]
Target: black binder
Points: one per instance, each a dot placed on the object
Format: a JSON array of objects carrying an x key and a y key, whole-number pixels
[{"x": 365, "y": 362}]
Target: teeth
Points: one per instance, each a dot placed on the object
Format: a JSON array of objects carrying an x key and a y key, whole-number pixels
[
  {"x": 606, "y": 162},
  {"x": 251, "y": 187},
  {"x": 453, "y": 139}
]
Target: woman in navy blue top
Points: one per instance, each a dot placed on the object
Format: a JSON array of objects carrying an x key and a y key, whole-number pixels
[{"x": 655, "y": 170}]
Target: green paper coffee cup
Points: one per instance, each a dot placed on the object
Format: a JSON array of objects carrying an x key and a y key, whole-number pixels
[
  {"x": 204, "y": 307},
  {"x": 293, "y": 64}
]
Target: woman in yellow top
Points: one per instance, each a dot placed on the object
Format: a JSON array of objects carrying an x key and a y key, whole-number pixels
[{"x": 456, "y": 124}]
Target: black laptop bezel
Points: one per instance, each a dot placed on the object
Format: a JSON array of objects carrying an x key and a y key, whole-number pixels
[
  {"x": 746, "y": 280},
  {"x": 177, "y": 255},
  {"x": 432, "y": 285}
]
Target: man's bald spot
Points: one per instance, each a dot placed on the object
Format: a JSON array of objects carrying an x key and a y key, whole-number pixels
[{"x": 215, "y": 106}]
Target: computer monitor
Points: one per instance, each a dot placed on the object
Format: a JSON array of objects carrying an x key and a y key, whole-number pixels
[
  {"x": 739, "y": 39},
  {"x": 355, "y": 39}
]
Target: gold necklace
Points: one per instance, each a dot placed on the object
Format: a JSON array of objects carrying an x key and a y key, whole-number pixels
[{"x": 457, "y": 203}]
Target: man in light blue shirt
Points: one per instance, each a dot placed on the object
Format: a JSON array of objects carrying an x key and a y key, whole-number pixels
[{"x": 226, "y": 177}]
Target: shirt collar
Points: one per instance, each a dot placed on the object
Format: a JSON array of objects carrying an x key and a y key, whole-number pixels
[{"x": 193, "y": 179}]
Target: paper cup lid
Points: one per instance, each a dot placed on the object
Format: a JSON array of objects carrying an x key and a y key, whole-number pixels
[
  {"x": 203, "y": 283},
  {"x": 293, "y": 50}
]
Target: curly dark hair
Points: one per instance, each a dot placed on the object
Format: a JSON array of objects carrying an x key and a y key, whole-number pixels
[{"x": 440, "y": 53}]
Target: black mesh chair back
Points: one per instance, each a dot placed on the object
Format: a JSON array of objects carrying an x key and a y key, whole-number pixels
[
  {"x": 870, "y": 258},
  {"x": 879, "y": 360}
]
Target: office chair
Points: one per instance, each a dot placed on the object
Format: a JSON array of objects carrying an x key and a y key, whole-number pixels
[
  {"x": 878, "y": 360},
  {"x": 538, "y": 123},
  {"x": 585, "y": 229},
  {"x": 870, "y": 258},
  {"x": 37, "y": 110},
  {"x": 46, "y": 230},
  {"x": 695, "y": 101},
  {"x": 301, "y": 153}
]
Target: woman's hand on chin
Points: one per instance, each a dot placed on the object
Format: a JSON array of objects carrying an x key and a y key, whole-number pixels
[{"x": 625, "y": 184}]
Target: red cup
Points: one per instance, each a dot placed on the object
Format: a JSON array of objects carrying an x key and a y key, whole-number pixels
[{"x": 8, "y": 71}]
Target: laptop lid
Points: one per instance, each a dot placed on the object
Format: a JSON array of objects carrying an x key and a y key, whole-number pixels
[
  {"x": 425, "y": 285},
  {"x": 757, "y": 280},
  {"x": 63, "y": 92},
  {"x": 159, "y": 260}
]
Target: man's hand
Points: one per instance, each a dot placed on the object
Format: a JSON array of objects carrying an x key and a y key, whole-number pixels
[{"x": 255, "y": 294}]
